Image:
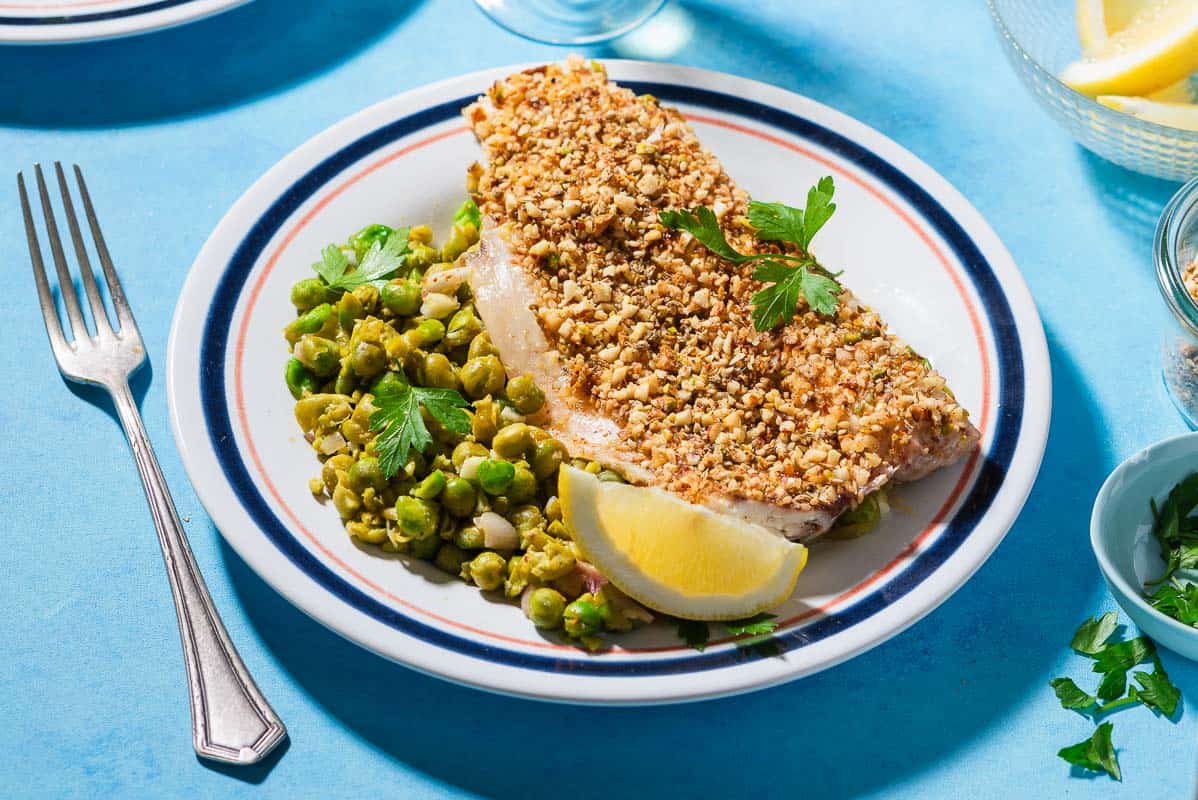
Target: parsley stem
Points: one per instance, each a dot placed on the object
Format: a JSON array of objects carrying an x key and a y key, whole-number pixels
[{"x": 1115, "y": 705}]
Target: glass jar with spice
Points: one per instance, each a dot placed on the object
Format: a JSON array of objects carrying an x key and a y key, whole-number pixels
[{"x": 1175, "y": 251}]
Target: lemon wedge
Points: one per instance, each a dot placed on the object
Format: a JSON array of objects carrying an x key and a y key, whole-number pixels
[
  {"x": 1158, "y": 47},
  {"x": 1098, "y": 19},
  {"x": 1175, "y": 115},
  {"x": 676, "y": 557}
]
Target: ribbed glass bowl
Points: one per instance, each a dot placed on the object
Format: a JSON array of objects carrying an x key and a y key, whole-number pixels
[{"x": 1040, "y": 39}]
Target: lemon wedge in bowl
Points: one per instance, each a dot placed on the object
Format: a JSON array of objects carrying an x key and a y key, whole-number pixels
[
  {"x": 1174, "y": 115},
  {"x": 675, "y": 557},
  {"x": 1158, "y": 47},
  {"x": 1098, "y": 19}
]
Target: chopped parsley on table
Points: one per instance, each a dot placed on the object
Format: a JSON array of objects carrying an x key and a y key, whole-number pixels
[{"x": 1112, "y": 660}]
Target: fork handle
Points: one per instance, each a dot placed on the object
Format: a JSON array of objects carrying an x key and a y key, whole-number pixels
[{"x": 230, "y": 719}]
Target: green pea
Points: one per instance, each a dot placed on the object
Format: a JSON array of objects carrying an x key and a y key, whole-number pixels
[
  {"x": 488, "y": 570},
  {"x": 437, "y": 371},
  {"x": 431, "y": 486},
  {"x": 299, "y": 379},
  {"x": 484, "y": 423},
  {"x": 546, "y": 607},
  {"x": 523, "y": 487},
  {"x": 314, "y": 321},
  {"x": 321, "y": 356},
  {"x": 368, "y": 296},
  {"x": 388, "y": 382},
  {"x": 482, "y": 376},
  {"x": 366, "y": 238},
  {"x": 458, "y": 497},
  {"x": 349, "y": 311},
  {"x": 481, "y": 346},
  {"x": 460, "y": 238},
  {"x": 309, "y": 293},
  {"x": 495, "y": 476},
  {"x": 402, "y": 297},
  {"x": 513, "y": 441},
  {"x": 417, "y": 518},
  {"x": 368, "y": 360},
  {"x": 525, "y": 518},
  {"x": 469, "y": 538},
  {"x": 366, "y": 472},
  {"x": 424, "y": 548},
  {"x": 582, "y": 618},
  {"x": 553, "y": 509},
  {"x": 547, "y": 457},
  {"x": 463, "y": 327},
  {"x": 558, "y": 530},
  {"x": 524, "y": 394},
  {"x": 610, "y": 476},
  {"x": 346, "y": 501},
  {"x": 420, "y": 234},
  {"x": 421, "y": 255},
  {"x": 450, "y": 558},
  {"x": 466, "y": 450},
  {"x": 427, "y": 332}
]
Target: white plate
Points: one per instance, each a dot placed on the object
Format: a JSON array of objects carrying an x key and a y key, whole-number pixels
[
  {"x": 47, "y": 21},
  {"x": 910, "y": 245}
]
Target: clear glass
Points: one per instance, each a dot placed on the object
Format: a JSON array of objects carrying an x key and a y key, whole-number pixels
[
  {"x": 1175, "y": 246},
  {"x": 570, "y": 22},
  {"x": 1040, "y": 39}
]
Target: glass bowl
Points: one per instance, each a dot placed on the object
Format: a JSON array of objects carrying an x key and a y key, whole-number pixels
[
  {"x": 569, "y": 22},
  {"x": 1040, "y": 39},
  {"x": 1175, "y": 246}
]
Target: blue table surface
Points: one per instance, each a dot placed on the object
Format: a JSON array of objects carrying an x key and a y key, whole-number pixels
[{"x": 173, "y": 126}]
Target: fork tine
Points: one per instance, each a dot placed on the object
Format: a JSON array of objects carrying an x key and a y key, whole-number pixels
[
  {"x": 65, "y": 286},
  {"x": 115, "y": 291},
  {"x": 58, "y": 342},
  {"x": 99, "y": 314}
]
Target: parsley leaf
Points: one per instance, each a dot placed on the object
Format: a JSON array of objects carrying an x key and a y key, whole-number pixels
[
  {"x": 1177, "y": 600},
  {"x": 702, "y": 224},
  {"x": 695, "y": 633},
  {"x": 757, "y": 625},
  {"x": 1156, "y": 690},
  {"x": 380, "y": 261},
  {"x": 819, "y": 208},
  {"x": 332, "y": 264},
  {"x": 468, "y": 212},
  {"x": 1175, "y": 530},
  {"x": 820, "y": 291},
  {"x": 1123, "y": 655},
  {"x": 1093, "y": 633},
  {"x": 1096, "y": 753},
  {"x": 1070, "y": 695},
  {"x": 776, "y": 303},
  {"x": 776, "y": 222},
  {"x": 401, "y": 423},
  {"x": 1113, "y": 684}
]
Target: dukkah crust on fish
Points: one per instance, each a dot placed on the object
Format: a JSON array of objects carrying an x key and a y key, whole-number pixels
[{"x": 644, "y": 340}]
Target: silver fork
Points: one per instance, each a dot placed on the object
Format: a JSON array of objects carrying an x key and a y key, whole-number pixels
[{"x": 231, "y": 720}]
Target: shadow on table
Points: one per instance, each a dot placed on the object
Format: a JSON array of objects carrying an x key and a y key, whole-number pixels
[
  {"x": 1132, "y": 201},
  {"x": 258, "y": 48},
  {"x": 893, "y": 712}
]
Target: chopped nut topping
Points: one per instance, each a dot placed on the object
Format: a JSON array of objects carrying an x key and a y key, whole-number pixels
[{"x": 655, "y": 332}]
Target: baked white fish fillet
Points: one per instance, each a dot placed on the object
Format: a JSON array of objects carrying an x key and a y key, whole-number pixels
[{"x": 643, "y": 340}]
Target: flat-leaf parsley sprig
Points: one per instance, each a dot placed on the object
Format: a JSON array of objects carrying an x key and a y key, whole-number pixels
[
  {"x": 381, "y": 261},
  {"x": 401, "y": 423},
  {"x": 788, "y": 276}
]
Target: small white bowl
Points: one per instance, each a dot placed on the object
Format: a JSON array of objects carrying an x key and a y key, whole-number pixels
[{"x": 1121, "y": 534}]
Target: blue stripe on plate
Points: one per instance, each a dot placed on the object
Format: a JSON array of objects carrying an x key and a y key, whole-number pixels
[
  {"x": 95, "y": 16},
  {"x": 992, "y": 469}
]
